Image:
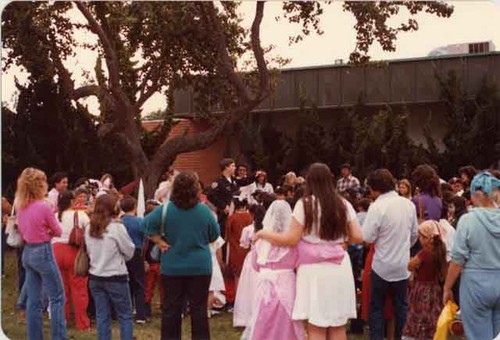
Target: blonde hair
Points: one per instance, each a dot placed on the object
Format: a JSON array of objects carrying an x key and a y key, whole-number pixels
[
  {"x": 290, "y": 178},
  {"x": 407, "y": 184},
  {"x": 31, "y": 185}
]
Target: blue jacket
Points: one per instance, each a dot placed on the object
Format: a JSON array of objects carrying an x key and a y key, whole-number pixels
[
  {"x": 135, "y": 229},
  {"x": 477, "y": 240}
]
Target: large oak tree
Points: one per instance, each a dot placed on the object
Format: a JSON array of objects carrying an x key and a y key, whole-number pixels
[{"x": 157, "y": 47}]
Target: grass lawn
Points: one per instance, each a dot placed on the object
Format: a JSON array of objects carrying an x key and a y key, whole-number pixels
[{"x": 15, "y": 327}]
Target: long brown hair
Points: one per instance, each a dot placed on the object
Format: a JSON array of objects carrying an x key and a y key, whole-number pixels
[
  {"x": 427, "y": 180},
  {"x": 104, "y": 211},
  {"x": 432, "y": 231},
  {"x": 64, "y": 202},
  {"x": 439, "y": 252},
  {"x": 320, "y": 184}
]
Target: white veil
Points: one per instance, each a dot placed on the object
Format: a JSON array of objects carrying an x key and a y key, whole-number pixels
[{"x": 278, "y": 218}]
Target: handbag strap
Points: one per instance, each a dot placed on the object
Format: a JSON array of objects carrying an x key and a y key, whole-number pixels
[
  {"x": 162, "y": 228},
  {"x": 13, "y": 209},
  {"x": 420, "y": 207},
  {"x": 76, "y": 223},
  {"x": 163, "y": 217}
]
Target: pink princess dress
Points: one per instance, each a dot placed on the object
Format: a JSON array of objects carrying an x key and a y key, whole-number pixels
[
  {"x": 275, "y": 295},
  {"x": 275, "y": 298},
  {"x": 249, "y": 280}
]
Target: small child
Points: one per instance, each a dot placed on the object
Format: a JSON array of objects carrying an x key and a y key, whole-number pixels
[
  {"x": 249, "y": 279},
  {"x": 81, "y": 200},
  {"x": 234, "y": 226},
  {"x": 153, "y": 276},
  {"x": 215, "y": 295},
  {"x": 425, "y": 298},
  {"x": 135, "y": 266},
  {"x": 362, "y": 206}
]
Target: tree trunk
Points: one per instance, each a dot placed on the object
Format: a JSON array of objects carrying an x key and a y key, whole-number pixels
[{"x": 151, "y": 179}]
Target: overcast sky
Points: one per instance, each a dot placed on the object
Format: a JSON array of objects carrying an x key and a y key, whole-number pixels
[{"x": 472, "y": 21}]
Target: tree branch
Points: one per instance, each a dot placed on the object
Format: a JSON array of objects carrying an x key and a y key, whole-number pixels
[
  {"x": 109, "y": 54},
  {"x": 225, "y": 60},
  {"x": 146, "y": 95},
  {"x": 264, "y": 88},
  {"x": 88, "y": 90},
  {"x": 95, "y": 90},
  {"x": 109, "y": 51},
  {"x": 145, "y": 91},
  {"x": 192, "y": 142}
]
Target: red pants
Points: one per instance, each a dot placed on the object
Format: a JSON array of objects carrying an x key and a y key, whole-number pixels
[
  {"x": 230, "y": 289},
  {"x": 153, "y": 278},
  {"x": 75, "y": 287}
]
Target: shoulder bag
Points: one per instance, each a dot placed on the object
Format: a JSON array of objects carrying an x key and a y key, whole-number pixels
[
  {"x": 77, "y": 236},
  {"x": 14, "y": 238}
]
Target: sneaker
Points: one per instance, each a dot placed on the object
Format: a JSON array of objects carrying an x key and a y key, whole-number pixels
[
  {"x": 215, "y": 312},
  {"x": 140, "y": 321}
]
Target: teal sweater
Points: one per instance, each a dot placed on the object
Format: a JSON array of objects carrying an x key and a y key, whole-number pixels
[
  {"x": 188, "y": 232},
  {"x": 477, "y": 240}
]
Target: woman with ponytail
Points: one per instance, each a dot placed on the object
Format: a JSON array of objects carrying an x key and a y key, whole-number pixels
[{"x": 424, "y": 299}]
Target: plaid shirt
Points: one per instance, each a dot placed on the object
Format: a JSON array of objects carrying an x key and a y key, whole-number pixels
[{"x": 350, "y": 182}]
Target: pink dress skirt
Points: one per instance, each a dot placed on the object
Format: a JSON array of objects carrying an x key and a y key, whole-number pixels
[
  {"x": 275, "y": 298},
  {"x": 272, "y": 314}
]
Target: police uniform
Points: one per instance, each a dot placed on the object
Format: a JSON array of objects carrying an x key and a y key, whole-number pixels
[{"x": 221, "y": 195}]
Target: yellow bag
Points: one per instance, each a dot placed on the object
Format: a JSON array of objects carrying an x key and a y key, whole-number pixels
[{"x": 447, "y": 314}]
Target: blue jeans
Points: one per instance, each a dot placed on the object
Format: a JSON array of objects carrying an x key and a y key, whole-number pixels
[
  {"x": 21, "y": 272},
  {"x": 116, "y": 294},
  {"x": 480, "y": 303},
  {"x": 42, "y": 274},
  {"x": 22, "y": 300},
  {"x": 379, "y": 290}
]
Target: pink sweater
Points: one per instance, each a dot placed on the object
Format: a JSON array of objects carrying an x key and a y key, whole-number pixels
[{"x": 37, "y": 223}]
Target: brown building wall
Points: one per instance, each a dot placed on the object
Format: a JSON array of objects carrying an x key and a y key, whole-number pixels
[{"x": 205, "y": 162}]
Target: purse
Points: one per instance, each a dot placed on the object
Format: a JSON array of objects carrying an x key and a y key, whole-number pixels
[
  {"x": 82, "y": 262},
  {"x": 14, "y": 238},
  {"x": 77, "y": 236}
]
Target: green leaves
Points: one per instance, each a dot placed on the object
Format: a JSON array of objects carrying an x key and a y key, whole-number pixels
[
  {"x": 372, "y": 23},
  {"x": 473, "y": 123}
]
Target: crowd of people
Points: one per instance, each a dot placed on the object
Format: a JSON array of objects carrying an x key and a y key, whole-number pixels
[{"x": 296, "y": 260}]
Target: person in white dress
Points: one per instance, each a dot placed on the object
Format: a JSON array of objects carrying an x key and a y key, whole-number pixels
[
  {"x": 325, "y": 295},
  {"x": 249, "y": 279},
  {"x": 217, "y": 286},
  {"x": 259, "y": 184}
]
